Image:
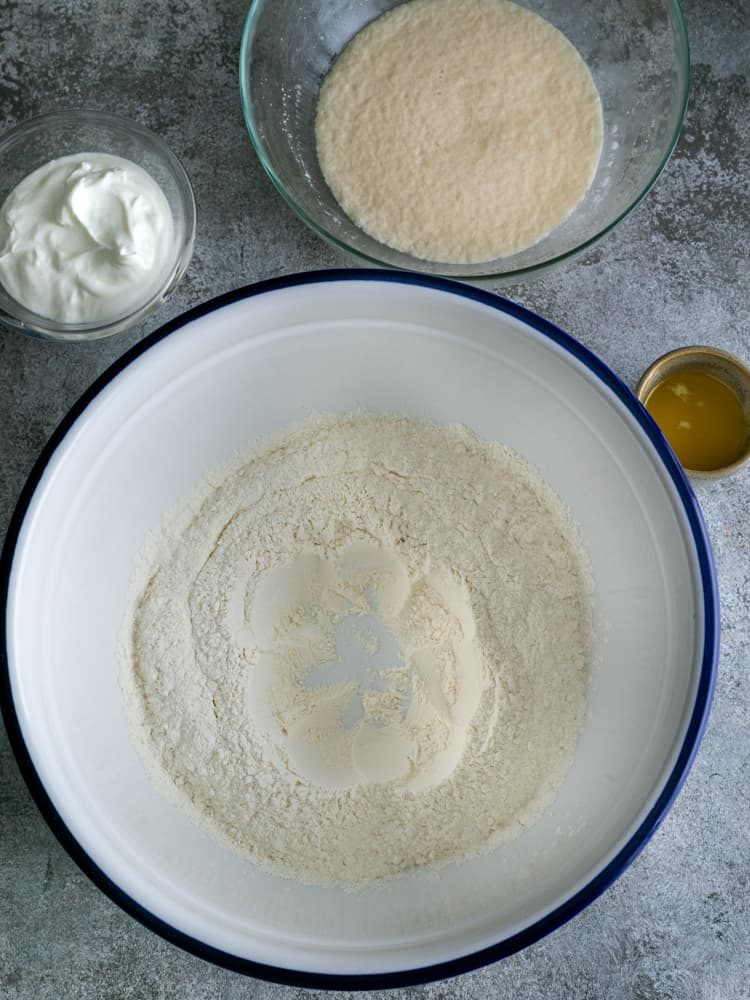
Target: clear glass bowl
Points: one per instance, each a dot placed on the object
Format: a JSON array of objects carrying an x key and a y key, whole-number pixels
[
  {"x": 60, "y": 133},
  {"x": 638, "y": 55}
]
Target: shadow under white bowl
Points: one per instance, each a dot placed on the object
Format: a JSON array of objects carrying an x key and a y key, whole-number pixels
[{"x": 250, "y": 363}]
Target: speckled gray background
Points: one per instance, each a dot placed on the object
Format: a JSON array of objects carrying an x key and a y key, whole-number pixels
[{"x": 677, "y": 924}]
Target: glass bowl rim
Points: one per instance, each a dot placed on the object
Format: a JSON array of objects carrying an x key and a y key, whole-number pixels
[{"x": 683, "y": 56}]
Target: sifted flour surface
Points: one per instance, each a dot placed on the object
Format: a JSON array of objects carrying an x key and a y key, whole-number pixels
[
  {"x": 363, "y": 650},
  {"x": 459, "y": 130}
]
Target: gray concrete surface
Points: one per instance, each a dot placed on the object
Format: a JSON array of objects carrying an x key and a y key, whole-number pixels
[{"x": 676, "y": 926}]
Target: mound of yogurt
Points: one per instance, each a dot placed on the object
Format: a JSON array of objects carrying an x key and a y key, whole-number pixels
[{"x": 85, "y": 238}]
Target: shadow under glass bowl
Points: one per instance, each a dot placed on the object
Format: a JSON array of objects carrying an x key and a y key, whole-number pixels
[
  {"x": 637, "y": 51},
  {"x": 47, "y": 137}
]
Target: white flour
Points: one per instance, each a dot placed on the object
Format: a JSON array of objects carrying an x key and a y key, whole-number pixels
[
  {"x": 364, "y": 650},
  {"x": 459, "y": 130}
]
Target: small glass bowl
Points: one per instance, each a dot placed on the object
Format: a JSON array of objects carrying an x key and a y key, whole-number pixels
[
  {"x": 637, "y": 53},
  {"x": 711, "y": 361},
  {"x": 61, "y": 133}
]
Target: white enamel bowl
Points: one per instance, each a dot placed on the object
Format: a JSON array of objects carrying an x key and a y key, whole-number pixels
[{"x": 251, "y": 363}]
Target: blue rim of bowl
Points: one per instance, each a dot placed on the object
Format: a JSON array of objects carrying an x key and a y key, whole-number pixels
[
  {"x": 512, "y": 275},
  {"x": 580, "y": 899}
]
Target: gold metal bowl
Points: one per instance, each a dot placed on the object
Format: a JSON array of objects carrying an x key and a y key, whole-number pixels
[{"x": 724, "y": 367}]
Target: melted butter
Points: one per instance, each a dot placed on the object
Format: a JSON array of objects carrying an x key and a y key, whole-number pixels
[{"x": 701, "y": 417}]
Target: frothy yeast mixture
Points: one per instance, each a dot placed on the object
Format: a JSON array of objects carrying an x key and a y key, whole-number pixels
[{"x": 459, "y": 130}]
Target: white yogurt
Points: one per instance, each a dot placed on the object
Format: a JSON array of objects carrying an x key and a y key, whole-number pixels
[{"x": 85, "y": 238}]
